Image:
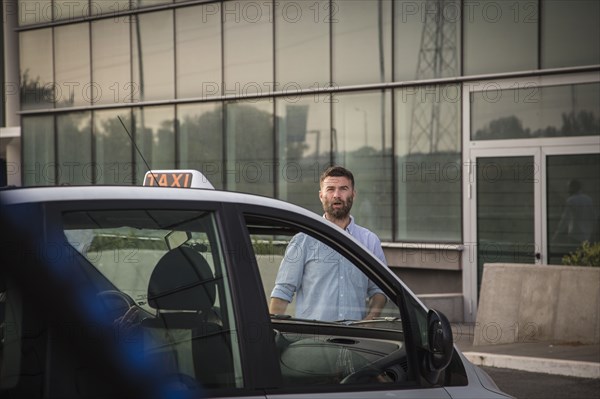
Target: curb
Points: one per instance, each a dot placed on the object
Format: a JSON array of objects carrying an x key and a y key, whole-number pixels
[{"x": 568, "y": 368}]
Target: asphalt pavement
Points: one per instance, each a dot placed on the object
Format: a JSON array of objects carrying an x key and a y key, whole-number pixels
[
  {"x": 526, "y": 385},
  {"x": 537, "y": 370}
]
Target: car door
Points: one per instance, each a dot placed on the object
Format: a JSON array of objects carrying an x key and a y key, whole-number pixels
[{"x": 339, "y": 358}]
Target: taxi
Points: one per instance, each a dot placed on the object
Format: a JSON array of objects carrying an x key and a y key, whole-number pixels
[{"x": 162, "y": 291}]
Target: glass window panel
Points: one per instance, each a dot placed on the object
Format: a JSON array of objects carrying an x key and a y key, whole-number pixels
[
  {"x": 301, "y": 44},
  {"x": 362, "y": 142},
  {"x": 39, "y": 165},
  {"x": 505, "y": 211},
  {"x": 570, "y": 33},
  {"x": 199, "y": 51},
  {"x": 74, "y": 148},
  {"x": 72, "y": 65},
  {"x": 500, "y": 36},
  {"x": 201, "y": 139},
  {"x": 113, "y": 146},
  {"x": 573, "y": 203},
  {"x": 153, "y": 56},
  {"x": 34, "y": 11},
  {"x": 37, "y": 87},
  {"x": 534, "y": 111},
  {"x": 249, "y": 150},
  {"x": 304, "y": 139},
  {"x": 427, "y": 39},
  {"x": 69, "y": 9},
  {"x": 111, "y": 61},
  {"x": 428, "y": 154},
  {"x": 155, "y": 138},
  {"x": 108, "y": 7},
  {"x": 179, "y": 332},
  {"x": 281, "y": 250},
  {"x": 362, "y": 33},
  {"x": 248, "y": 46}
]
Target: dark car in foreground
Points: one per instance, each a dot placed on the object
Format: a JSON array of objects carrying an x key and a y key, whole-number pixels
[{"x": 163, "y": 292}]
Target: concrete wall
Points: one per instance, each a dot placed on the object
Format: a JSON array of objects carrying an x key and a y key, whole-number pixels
[
  {"x": 451, "y": 305},
  {"x": 433, "y": 272},
  {"x": 531, "y": 303}
]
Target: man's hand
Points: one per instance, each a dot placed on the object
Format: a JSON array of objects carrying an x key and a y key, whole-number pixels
[
  {"x": 376, "y": 304},
  {"x": 277, "y": 306}
]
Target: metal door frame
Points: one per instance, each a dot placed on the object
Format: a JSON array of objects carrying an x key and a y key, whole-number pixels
[{"x": 470, "y": 216}]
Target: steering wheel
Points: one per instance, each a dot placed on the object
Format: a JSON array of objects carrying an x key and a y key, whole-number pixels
[
  {"x": 376, "y": 368},
  {"x": 116, "y": 303}
]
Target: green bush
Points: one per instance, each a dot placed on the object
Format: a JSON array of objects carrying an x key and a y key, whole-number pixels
[{"x": 586, "y": 255}]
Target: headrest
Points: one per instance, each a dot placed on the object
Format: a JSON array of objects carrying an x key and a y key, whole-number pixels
[{"x": 182, "y": 280}]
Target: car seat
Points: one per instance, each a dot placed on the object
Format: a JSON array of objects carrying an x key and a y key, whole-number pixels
[{"x": 186, "y": 336}]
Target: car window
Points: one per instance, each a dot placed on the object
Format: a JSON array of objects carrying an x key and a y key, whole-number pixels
[
  {"x": 326, "y": 335},
  {"x": 168, "y": 266}
]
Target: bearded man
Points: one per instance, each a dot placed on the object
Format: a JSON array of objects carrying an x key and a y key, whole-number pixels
[{"x": 327, "y": 286}]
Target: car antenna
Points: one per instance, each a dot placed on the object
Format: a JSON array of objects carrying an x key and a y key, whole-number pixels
[{"x": 136, "y": 147}]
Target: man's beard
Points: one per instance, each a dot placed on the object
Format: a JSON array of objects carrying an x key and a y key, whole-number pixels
[{"x": 338, "y": 213}]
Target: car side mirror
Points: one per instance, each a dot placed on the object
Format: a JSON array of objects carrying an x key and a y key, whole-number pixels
[{"x": 441, "y": 345}]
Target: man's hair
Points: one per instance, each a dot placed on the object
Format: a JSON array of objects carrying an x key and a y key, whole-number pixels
[{"x": 336, "y": 171}]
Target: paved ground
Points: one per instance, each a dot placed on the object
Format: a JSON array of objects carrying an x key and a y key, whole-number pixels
[
  {"x": 582, "y": 361},
  {"x": 525, "y": 385},
  {"x": 539, "y": 370},
  {"x": 570, "y": 360}
]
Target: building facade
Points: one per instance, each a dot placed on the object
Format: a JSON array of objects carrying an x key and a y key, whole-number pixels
[{"x": 469, "y": 124}]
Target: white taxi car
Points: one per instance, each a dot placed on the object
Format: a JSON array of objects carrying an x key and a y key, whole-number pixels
[{"x": 163, "y": 291}]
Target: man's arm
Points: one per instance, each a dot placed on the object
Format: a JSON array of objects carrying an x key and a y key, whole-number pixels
[
  {"x": 376, "y": 304},
  {"x": 277, "y": 305},
  {"x": 289, "y": 275}
]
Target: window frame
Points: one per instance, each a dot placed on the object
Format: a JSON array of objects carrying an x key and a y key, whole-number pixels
[
  {"x": 252, "y": 347},
  {"x": 372, "y": 268}
]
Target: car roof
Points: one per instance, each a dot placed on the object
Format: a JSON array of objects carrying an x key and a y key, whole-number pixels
[{"x": 30, "y": 195}]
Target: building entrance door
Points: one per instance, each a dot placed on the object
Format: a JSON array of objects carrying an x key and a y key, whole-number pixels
[
  {"x": 504, "y": 192},
  {"x": 530, "y": 205}
]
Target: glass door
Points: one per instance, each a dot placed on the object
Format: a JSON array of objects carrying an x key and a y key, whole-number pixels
[
  {"x": 506, "y": 191},
  {"x": 572, "y": 201},
  {"x": 531, "y": 205}
]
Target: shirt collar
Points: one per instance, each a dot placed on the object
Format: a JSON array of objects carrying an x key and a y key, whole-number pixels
[{"x": 351, "y": 225}]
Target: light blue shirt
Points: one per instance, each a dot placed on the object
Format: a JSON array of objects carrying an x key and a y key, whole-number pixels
[{"x": 327, "y": 285}]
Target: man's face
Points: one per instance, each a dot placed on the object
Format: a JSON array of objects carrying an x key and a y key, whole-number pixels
[{"x": 337, "y": 195}]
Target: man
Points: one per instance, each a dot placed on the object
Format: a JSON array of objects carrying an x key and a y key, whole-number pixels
[
  {"x": 578, "y": 219},
  {"x": 327, "y": 285}
]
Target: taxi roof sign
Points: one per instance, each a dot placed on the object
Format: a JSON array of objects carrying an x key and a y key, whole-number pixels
[{"x": 182, "y": 178}]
